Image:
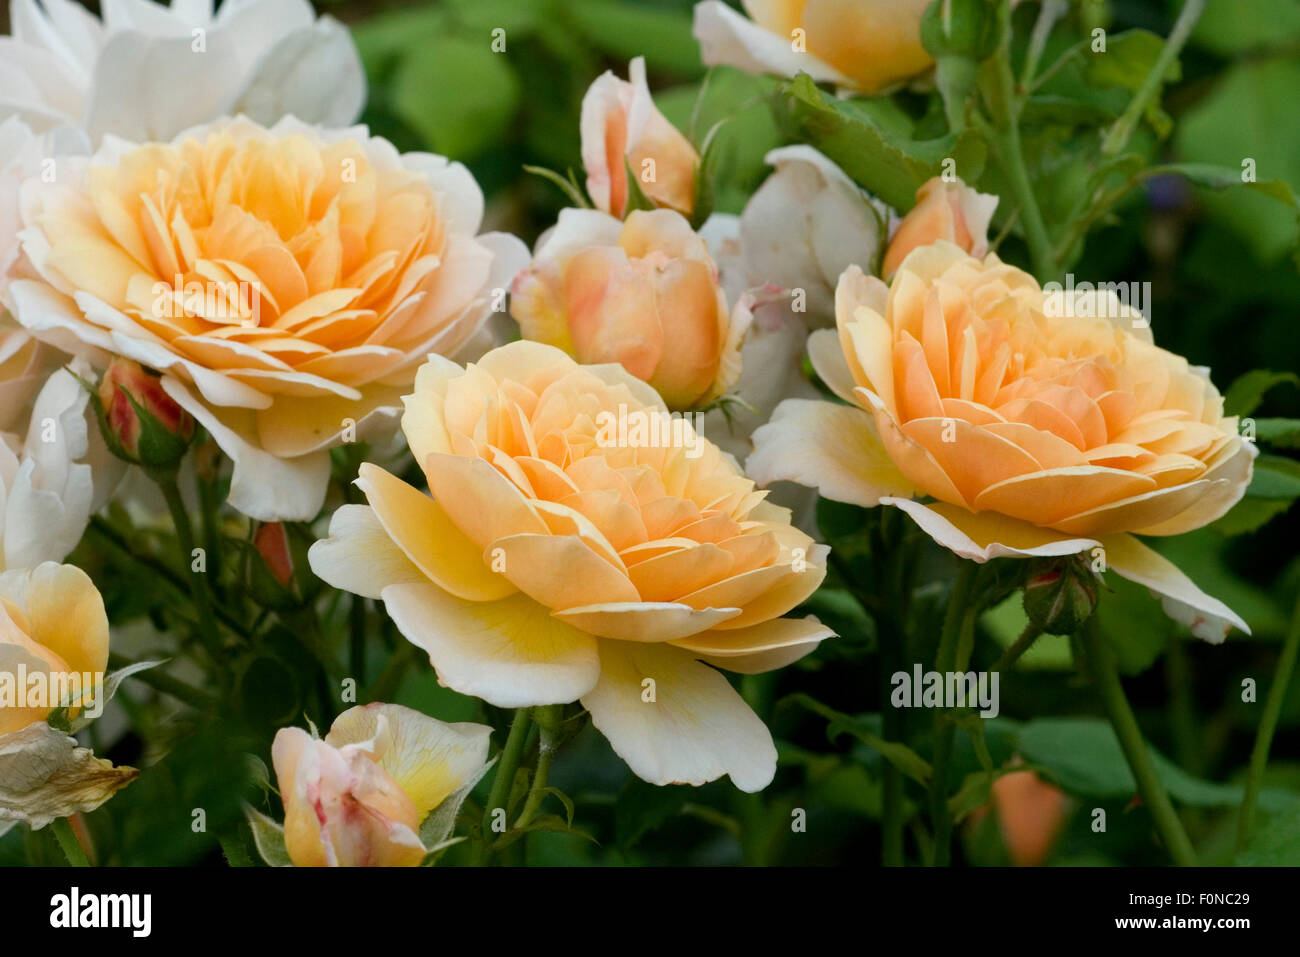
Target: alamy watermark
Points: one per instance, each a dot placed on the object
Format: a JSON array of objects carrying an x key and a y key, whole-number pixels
[
  {"x": 946, "y": 689},
  {"x": 50, "y": 690},
  {"x": 649, "y": 428},
  {"x": 1102, "y": 300}
]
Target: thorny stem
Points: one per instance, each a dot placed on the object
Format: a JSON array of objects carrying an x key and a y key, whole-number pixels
[
  {"x": 1267, "y": 725},
  {"x": 1102, "y": 662}
]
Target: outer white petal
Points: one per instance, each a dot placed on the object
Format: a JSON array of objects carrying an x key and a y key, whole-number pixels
[
  {"x": 1206, "y": 616},
  {"x": 729, "y": 39},
  {"x": 511, "y": 653},
  {"x": 694, "y": 729},
  {"x": 359, "y": 556},
  {"x": 128, "y": 100},
  {"x": 262, "y": 486},
  {"x": 833, "y": 448},
  {"x": 577, "y": 229},
  {"x": 314, "y": 74}
]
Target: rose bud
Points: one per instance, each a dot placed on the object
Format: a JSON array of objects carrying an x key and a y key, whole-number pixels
[
  {"x": 141, "y": 423},
  {"x": 279, "y": 576},
  {"x": 950, "y": 211},
  {"x": 644, "y": 293},
  {"x": 622, "y": 128},
  {"x": 1060, "y": 595}
]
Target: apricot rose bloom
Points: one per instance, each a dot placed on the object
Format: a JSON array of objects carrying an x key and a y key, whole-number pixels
[
  {"x": 358, "y": 798},
  {"x": 622, "y": 127},
  {"x": 559, "y": 559},
  {"x": 1035, "y": 429},
  {"x": 286, "y": 282},
  {"x": 944, "y": 210},
  {"x": 644, "y": 293},
  {"x": 862, "y": 45}
]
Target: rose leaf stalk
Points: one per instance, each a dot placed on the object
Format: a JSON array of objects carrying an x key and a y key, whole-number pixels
[
  {"x": 547, "y": 718},
  {"x": 1267, "y": 726},
  {"x": 999, "y": 92},
  {"x": 1117, "y": 136},
  {"x": 507, "y": 765},
  {"x": 1106, "y": 674}
]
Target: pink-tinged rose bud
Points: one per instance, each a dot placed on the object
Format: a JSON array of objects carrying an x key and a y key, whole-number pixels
[
  {"x": 140, "y": 421},
  {"x": 644, "y": 293},
  {"x": 360, "y": 796},
  {"x": 341, "y": 808},
  {"x": 950, "y": 211},
  {"x": 622, "y": 128}
]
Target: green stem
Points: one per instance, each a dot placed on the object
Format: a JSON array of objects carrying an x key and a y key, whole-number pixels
[
  {"x": 68, "y": 842},
  {"x": 1106, "y": 674},
  {"x": 1018, "y": 648},
  {"x": 1118, "y": 136},
  {"x": 548, "y": 719},
  {"x": 1267, "y": 726},
  {"x": 198, "y": 582},
  {"x": 160, "y": 681},
  {"x": 957, "y": 621},
  {"x": 504, "y": 778},
  {"x": 1006, "y": 114}
]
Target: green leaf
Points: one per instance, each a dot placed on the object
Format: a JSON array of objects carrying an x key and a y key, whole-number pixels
[
  {"x": 899, "y": 755},
  {"x": 1275, "y": 477},
  {"x": 1227, "y": 177},
  {"x": 879, "y": 158},
  {"x": 1083, "y": 756},
  {"x": 1247, "y": 392},
  {"x": 626, "y": 30},
  {"x": 1232, "y": 28},
  {"x": 1284, "y": 433},
  {"x": 1250, "y": 514},
  {"x": 642, "y": 808},
  {"x": 1275, "y": 842},
  {"x": 457, "y": 94},
  {"x": 1249, "y": 116},
  {"x": 268, "y": 837},
  {"x": 1134, "y": 623},
  {"x": 545, "y": 822},
  {"x": 1126, "y": 63}
]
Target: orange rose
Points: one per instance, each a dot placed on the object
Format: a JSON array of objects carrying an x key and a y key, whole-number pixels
[
  {"x": 579, "y": 545},
  {"x": 1036, "y": 429},
  {"x": 644, "y": 293},
  {"x": 951, "y": 211},
  {"x": 286, "y": 282}
]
